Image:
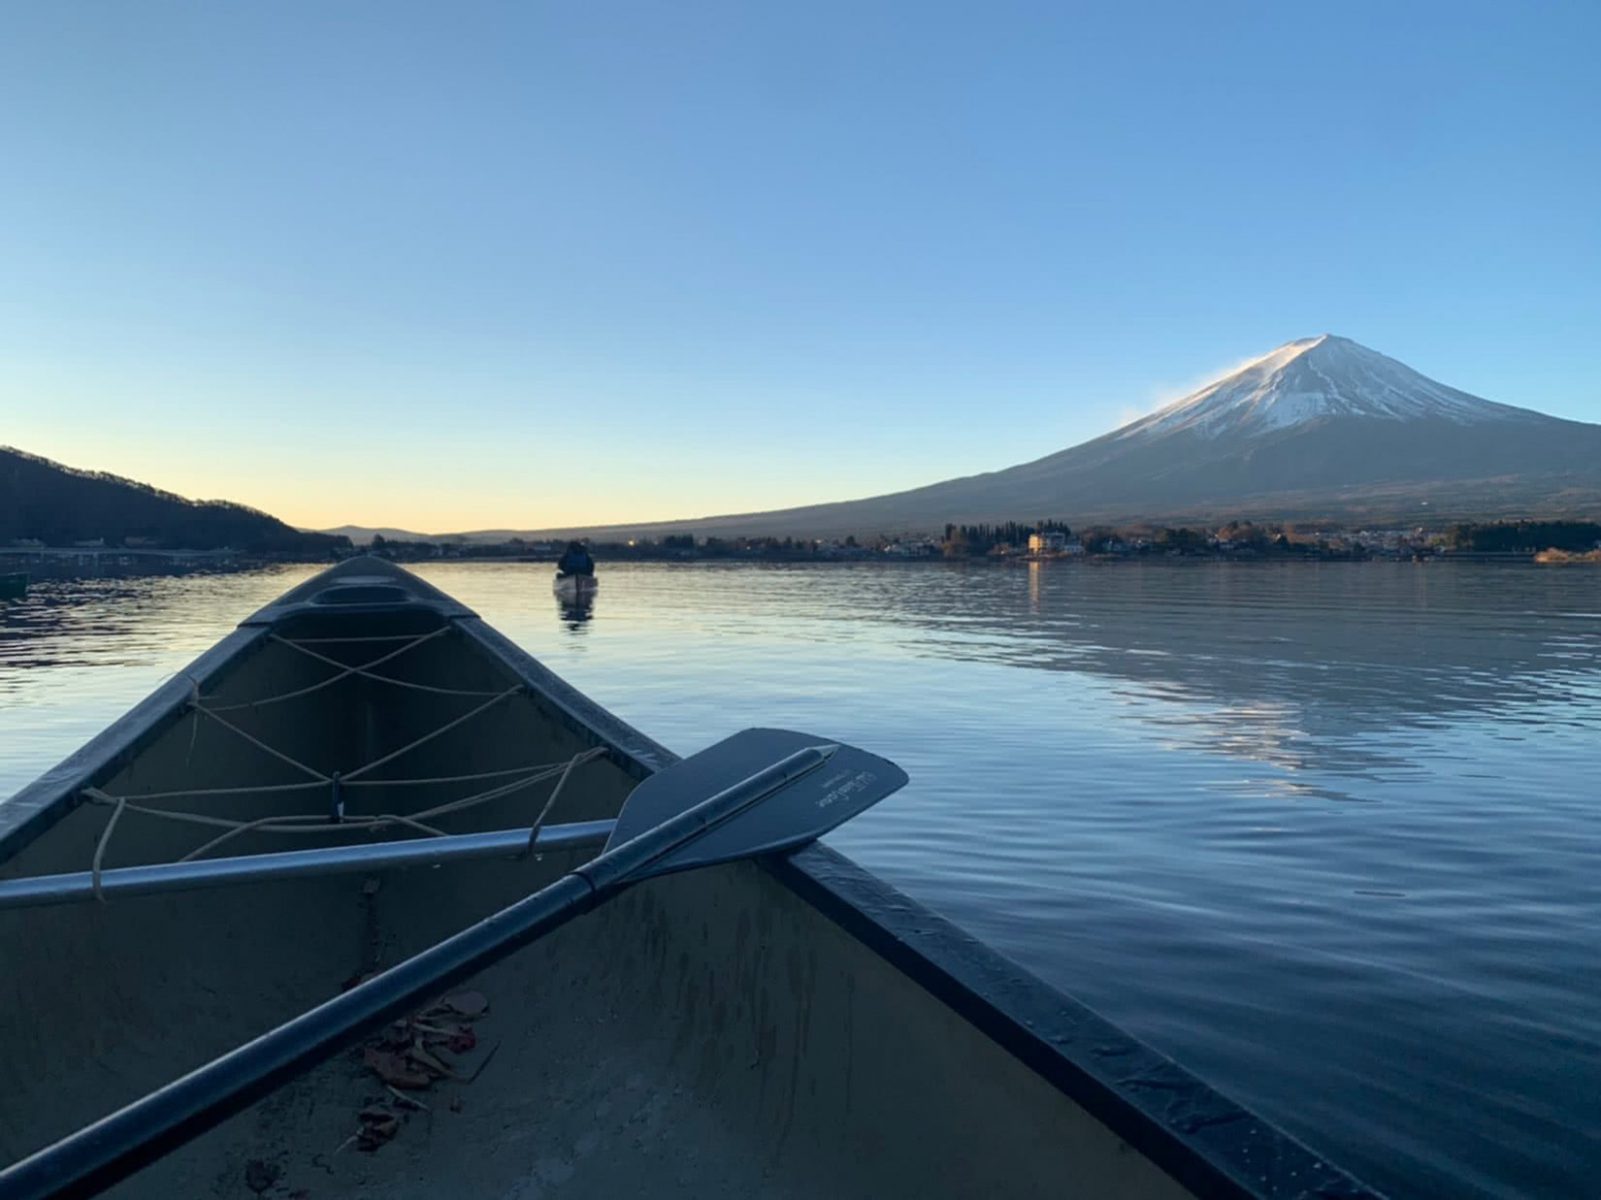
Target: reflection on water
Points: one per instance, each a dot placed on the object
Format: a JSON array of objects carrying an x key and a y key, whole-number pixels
[
  {"x": 576, "y": 610},
  {"x": 1326, "y": 833},
  {"x": 575, "y": 599}
]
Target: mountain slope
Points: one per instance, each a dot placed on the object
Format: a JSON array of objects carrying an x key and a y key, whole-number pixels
[
  {"x": 59, "y": 505},
  {"x": 1320, "y": 427}
]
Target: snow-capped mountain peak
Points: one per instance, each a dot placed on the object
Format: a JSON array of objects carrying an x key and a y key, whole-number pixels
[{"x": 1316, "y": 379}]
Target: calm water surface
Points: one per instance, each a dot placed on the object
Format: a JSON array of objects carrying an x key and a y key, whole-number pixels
[{"x": 1329, "y": 835}]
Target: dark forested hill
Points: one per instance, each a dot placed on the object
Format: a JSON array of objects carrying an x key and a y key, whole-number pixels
[{"x": 59, "y": 506}]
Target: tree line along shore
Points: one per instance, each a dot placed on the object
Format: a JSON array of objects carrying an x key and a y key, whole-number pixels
[{"x": 1520, "y": 541}]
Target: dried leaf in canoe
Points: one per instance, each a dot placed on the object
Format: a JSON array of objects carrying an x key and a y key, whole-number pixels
[
  {"x": 410, "y": 1103},
  {"x": 377, "y": 1134},
  {"x": 378, "y": 1125},
  {"x": 394, "y": 1070},
  {"x": 428, "y": 1061},
  {"x": 457, "y": 1037},
  {"x": 468, "y": 1004}
]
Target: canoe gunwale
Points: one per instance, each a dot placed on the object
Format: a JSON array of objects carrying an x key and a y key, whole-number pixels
[
  {"x": 42, "y": 803},
  {"x": 1204, "y": 1140},
  {"x": 636, "y": 754}
]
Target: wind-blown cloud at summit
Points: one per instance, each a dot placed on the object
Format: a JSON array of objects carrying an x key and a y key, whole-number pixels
[{"x": 1164, "y": 394}]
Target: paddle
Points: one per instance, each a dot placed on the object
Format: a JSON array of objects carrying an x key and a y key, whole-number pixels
[{"x": 759, "y": 792}]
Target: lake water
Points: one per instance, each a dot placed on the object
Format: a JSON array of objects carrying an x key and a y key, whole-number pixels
[{"x": 1329, "y": 835}]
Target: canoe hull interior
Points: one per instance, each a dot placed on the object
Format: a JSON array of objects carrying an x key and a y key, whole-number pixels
[
  {"x": 704, "y": 1034},
  {"x": 717, "y": 1032}
]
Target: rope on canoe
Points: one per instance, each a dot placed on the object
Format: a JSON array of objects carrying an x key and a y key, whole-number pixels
[
  {"x": 318, "y": 823},
  {"x": 222, "y": 791},
  {"x": 100, "y": 848},
  {"x": 312, "y": 783},
  {"x": 281, "y": 825},
  {"x": 318, "y": 641},
  {"x": 255, "y": 741},
  {"x": 494, "y": 699},
  {"x": 345, "y": 672},
  {"x": 517, "y": 785},
  {"x": 194, "y": 721},
  {"x": 550, "y": 803},
  {"x": 504, "y": 771},
  {"x": 428, "y": 737},
  {"x": 364, "y": 668},
  {"x": 196, "y": 702}
]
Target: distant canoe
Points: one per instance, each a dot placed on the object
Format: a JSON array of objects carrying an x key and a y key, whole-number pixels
[
  {"x": 794, "y": 1027},
  {"x": 14, "y": 585}
]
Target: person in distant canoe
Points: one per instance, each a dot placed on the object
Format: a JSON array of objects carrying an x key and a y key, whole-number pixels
[{"x": 575, "y": 561}]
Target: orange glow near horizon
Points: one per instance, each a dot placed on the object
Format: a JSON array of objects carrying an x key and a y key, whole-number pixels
[{"x": 319, "y": 488}]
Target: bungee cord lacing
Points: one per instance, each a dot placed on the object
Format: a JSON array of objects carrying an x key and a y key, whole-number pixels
[{"x": 320, "y": 823}]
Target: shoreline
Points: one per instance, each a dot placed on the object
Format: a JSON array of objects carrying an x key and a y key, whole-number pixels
[
  {"x": 243, "y": 566},
  {"x": 68, "y": 566}
]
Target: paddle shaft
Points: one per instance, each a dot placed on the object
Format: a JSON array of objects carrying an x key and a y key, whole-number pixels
[{"x": 113, "y": 1148}]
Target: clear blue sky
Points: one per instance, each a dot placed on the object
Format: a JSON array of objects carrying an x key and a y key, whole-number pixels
[{"x": 455, "y": 265}]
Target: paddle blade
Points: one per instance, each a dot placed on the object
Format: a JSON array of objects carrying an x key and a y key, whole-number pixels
[{"x": 849, "y": 782}]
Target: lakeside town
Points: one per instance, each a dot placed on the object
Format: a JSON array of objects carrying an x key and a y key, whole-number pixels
[
  {"x": 1046, "y": 541},
  {"x": 1056, "y": 540}
]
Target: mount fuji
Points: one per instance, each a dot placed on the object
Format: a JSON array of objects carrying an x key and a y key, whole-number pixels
[
  {"x": 1317, "y": 380},
  {"x": 1320, "y": 428}
]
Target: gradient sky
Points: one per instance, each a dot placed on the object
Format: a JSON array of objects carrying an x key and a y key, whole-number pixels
[{"x": 452, "y": 266}]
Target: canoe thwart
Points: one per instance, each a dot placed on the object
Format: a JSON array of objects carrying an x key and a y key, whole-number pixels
[{"x": 73, "y": 887}]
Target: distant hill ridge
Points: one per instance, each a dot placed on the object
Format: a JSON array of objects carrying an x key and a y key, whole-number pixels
[{"x": 60, "y": 505}]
